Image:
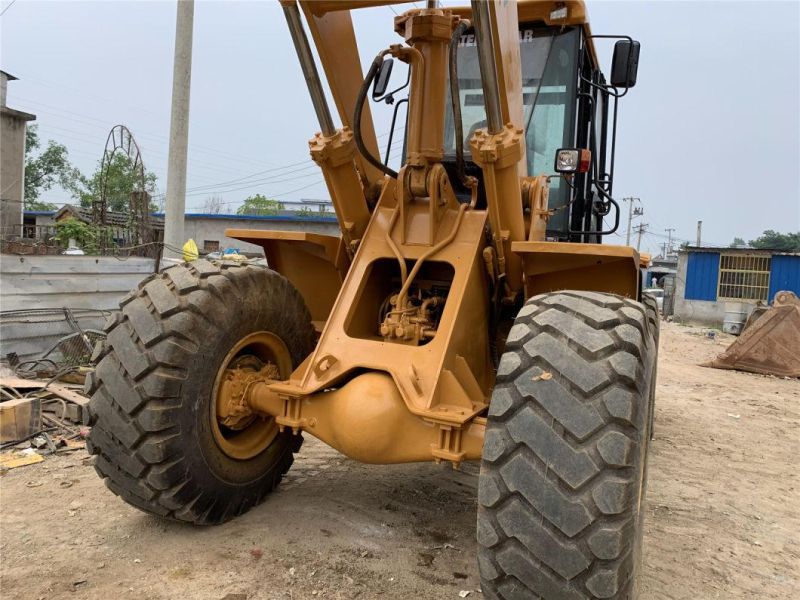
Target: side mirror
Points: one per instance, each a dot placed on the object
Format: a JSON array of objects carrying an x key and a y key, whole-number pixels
[
  {"x": 382, "y": 79},
  {"x": 625, "y": 64}
]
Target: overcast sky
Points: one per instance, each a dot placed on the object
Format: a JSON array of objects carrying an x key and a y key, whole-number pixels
[{"x": 711, "y": 132}]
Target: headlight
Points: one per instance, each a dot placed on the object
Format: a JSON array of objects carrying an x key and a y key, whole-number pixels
[{"x": 573, "y": 160}]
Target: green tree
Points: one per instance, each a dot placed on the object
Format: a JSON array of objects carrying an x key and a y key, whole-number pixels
[
  {"x": 45, "y": 169},
  {"x": 122, "y": 179},
  {"x": 738, "y": 243},
  {"x": 773, "y": 240},
  {"x": 259, "y": 205},
  {"x": 85, "y": 235}
]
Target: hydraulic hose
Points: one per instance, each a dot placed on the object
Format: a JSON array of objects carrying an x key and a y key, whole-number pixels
[
  {"x": 401, "y": 297},
  {"x": 360, "y": 100}
]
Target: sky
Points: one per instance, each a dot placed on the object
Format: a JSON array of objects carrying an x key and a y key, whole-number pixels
[{"x": 711, "y": 131}]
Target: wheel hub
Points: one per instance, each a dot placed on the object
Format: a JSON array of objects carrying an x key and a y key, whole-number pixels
[
  {"x": 233, "y": 410},
  {"x": 239, "y": 432}
]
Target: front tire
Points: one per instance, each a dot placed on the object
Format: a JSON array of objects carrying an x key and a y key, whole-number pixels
[
  {"x": 563, "y": 473},
  {"x": 153, "y": 392},
  {"x": 654, "y": 318}
]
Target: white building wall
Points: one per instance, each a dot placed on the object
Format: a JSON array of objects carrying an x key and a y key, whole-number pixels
[{"x": 201, "y": 229}]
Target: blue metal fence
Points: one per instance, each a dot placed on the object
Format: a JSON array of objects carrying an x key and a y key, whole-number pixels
[
  {"x": 784, "y": 275},
  {"x": 702, "y": 275}
]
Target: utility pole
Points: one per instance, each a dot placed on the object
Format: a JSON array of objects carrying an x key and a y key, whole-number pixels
[
  {"x": 640, "y": 229},
  {"x": 699, "y": 232},
  {"x": 179, "y": 130},
  {"x": 632, "y": 212},
  {"x": 668, "y": 250}
]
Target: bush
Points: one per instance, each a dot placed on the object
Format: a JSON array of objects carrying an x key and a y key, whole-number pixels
[{"x": 87, "y": 236}]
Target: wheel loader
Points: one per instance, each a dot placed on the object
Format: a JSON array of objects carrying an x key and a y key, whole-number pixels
[{"x": 469, "y": 310}]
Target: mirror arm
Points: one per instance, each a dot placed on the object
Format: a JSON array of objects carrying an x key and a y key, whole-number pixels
[
  {"x": 608, "y": 88},
  {"x": 388, "y": 96},
  {"x": 391, "y": 129},
  {"x": 613, "y": 146}
]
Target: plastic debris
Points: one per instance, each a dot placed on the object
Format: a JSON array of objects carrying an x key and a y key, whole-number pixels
[{"x": 190, "y": 251}]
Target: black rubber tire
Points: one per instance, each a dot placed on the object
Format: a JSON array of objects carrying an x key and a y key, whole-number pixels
[
  {"x": 151, "y": 391},
  {"x": 654, "y": 318},
  {"x": 563, "y": 474}
]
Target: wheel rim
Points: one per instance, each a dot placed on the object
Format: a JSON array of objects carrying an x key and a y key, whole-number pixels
[{"x": 240, "y": 433}]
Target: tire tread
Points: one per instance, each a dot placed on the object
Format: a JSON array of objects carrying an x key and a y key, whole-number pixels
[
  {"x": 563, "y": 449},
  {"x": 136, "y": 387}
]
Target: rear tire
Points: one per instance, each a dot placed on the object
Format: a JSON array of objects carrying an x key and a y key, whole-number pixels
[
  {"x": 563, "y": 475},
  {"x": 151, "y": 411}
]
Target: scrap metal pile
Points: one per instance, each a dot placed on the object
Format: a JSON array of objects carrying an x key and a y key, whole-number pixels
[{"x": 42, "y": 404}]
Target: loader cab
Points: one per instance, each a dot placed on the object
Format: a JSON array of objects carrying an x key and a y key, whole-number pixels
[{"x": 565, "y": 105}]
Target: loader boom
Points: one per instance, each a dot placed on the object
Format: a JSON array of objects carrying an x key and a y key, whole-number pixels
[{"x": 425, "y": 286}]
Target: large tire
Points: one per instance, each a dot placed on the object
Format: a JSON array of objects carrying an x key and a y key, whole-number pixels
[
  {"x": 654, "y": 318},
  {"x": 653, "y": 315},
  {"x": 564, "y": 459},
  {"x": 150, "y": 410}
]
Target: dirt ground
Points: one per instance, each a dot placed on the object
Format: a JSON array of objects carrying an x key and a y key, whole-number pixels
[{"x": 722, "y": 518}]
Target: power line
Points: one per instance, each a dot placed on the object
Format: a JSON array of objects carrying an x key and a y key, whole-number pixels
[
  {"x": 279, "y": 171},
  {"x": 256, "y": 182},
  {"x": 211, "y": 187},
  {"x": 212, "y": 166},
  {"x": 280, "y": 194},
  {"x": 103, "y": 124},
  {"x": 5, "y": 10},
  {"x": 88, "y": 138},
  {"x": 139, "y": 133},
  {"x": 250, "y": 186}
]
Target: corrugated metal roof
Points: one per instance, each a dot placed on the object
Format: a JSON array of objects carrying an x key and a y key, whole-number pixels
[
  {"x": 736, "y": 250},
  {"x": 310, "y": 218},
  {"x": 118, "y": 218},
  {"x": 114, "y": 218}
]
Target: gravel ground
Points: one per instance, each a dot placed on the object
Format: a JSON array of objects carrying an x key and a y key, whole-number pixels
[{"x": 722, "y": 518}]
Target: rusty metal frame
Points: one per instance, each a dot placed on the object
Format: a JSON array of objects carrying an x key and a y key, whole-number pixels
[{"x": 119, "y": 138}]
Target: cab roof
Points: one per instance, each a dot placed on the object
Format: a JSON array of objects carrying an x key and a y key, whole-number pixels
[{"x": 548, "y": 12}]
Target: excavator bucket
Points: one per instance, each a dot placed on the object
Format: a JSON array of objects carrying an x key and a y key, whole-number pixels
[{"x": 770, "y": 342}]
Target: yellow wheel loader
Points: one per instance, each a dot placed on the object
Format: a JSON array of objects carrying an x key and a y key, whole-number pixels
[{"x": 468, "y": 311}]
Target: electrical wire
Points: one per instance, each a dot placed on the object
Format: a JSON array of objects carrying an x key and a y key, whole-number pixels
[
  {"x": 5, "y": 10},
  {"x": 142, "y": 134},
  {"x": 103, "y": 125}
]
